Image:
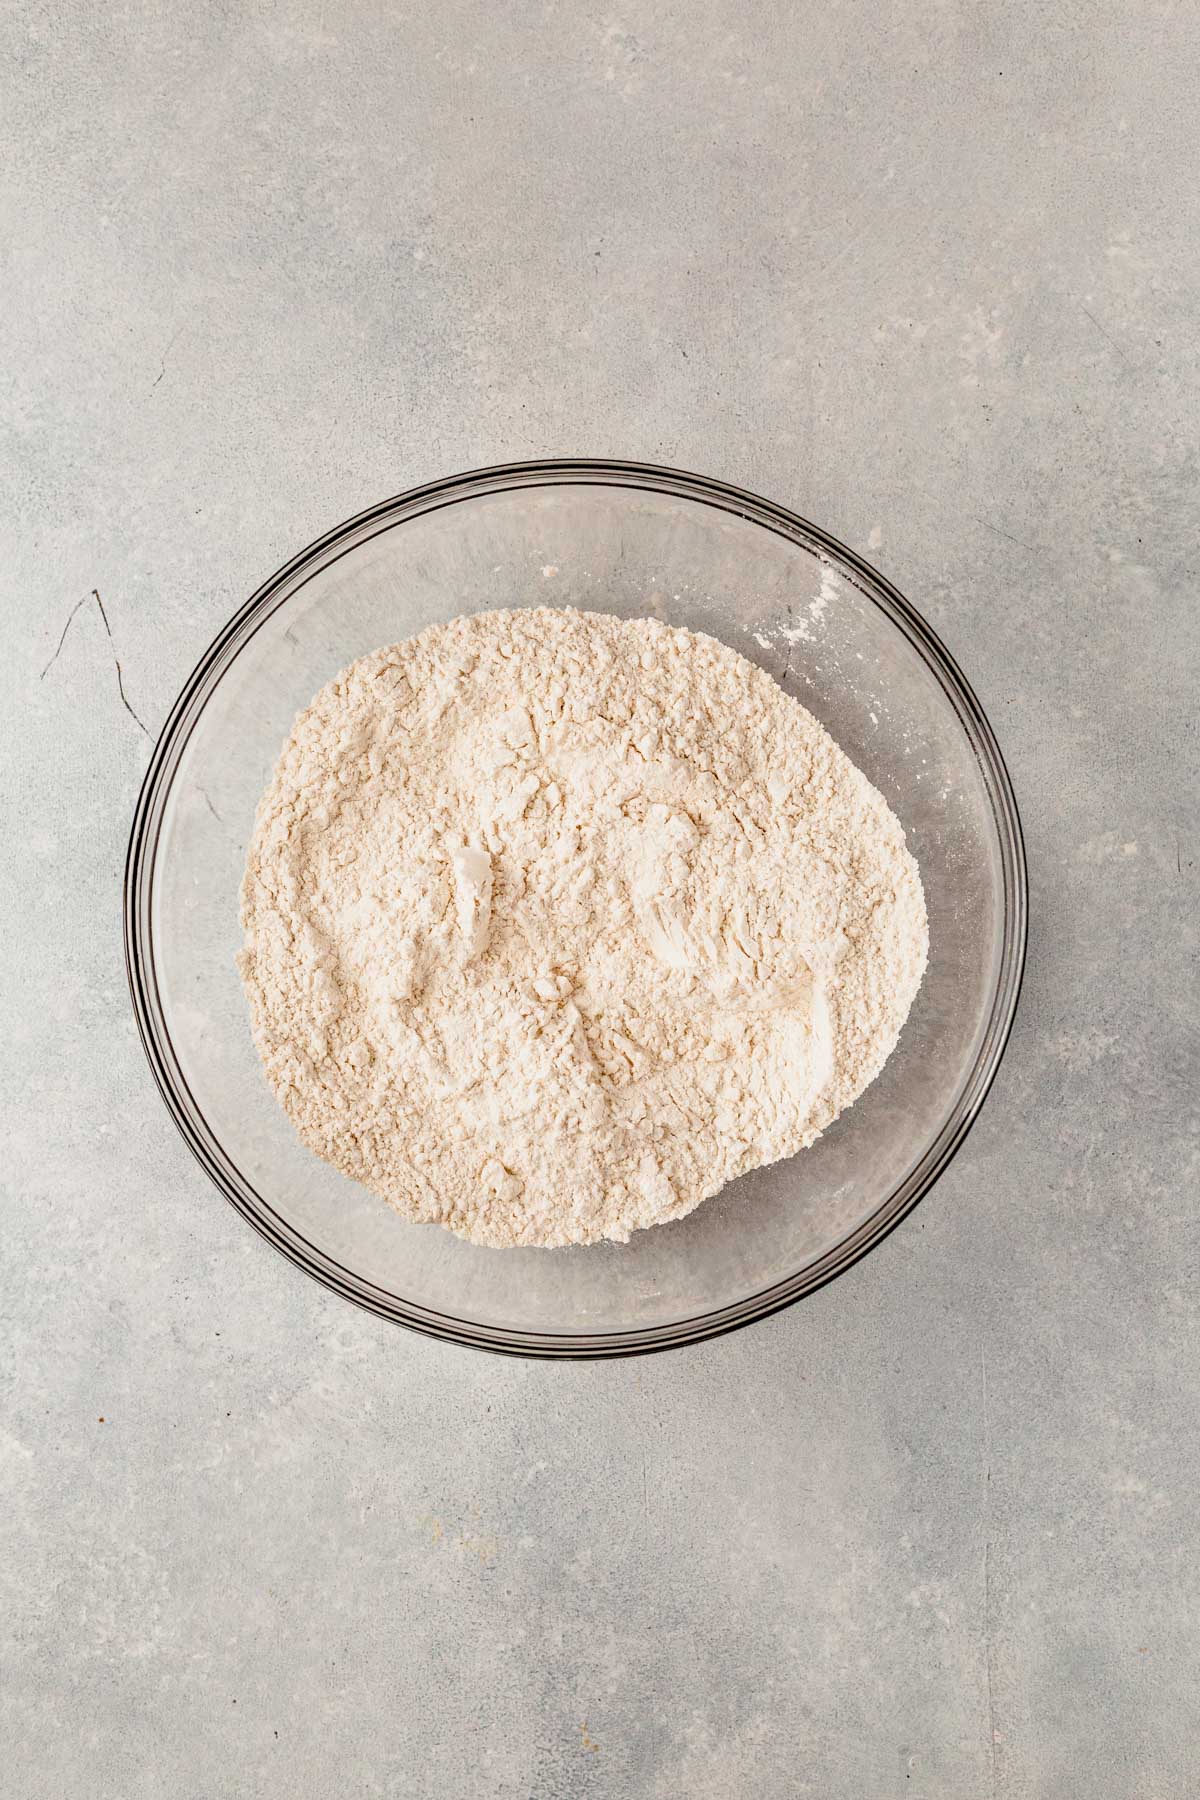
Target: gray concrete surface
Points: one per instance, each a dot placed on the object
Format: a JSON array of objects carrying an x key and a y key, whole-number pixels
[{"x": 928, "y": 272}]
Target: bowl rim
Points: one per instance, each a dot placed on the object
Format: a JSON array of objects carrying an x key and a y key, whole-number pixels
[{"x": 156, "y": 788}]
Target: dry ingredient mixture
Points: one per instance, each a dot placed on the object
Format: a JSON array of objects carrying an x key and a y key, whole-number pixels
[{"x": 556, "y": 922}]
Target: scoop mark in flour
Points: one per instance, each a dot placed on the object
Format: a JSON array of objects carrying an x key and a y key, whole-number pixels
[{"x": 472, "y": 869}]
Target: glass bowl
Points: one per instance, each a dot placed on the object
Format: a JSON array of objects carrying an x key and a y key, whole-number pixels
[{"x": 636, "y": 541}]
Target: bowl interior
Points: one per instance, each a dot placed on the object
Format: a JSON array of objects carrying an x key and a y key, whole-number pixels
[{"x": 810, "y": 616}]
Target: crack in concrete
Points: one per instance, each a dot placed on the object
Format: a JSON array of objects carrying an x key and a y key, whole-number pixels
[
  {"x": 95, "y": 595},
  {"x": 162, "y": 371}
]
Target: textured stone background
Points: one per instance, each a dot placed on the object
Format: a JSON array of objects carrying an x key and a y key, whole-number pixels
[{"x": 928, "y": 272}]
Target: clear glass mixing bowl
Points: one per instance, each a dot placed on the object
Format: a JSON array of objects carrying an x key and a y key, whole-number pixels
[{"x": 636, "y": 541}]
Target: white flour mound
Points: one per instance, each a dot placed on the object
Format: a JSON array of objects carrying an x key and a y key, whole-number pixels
[{"x": 556, "y": 922}]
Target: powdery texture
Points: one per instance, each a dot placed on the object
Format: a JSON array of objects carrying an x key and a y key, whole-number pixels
[{"x": 556, "y": 922}]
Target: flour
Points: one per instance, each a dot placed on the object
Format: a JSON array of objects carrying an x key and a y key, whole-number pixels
[
  {"x": 802, "y": 627},
  {"x": 555, "y": 923}
]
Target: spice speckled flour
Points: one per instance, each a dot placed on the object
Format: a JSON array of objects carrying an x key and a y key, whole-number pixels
[{"x": 557, "y": 922}]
